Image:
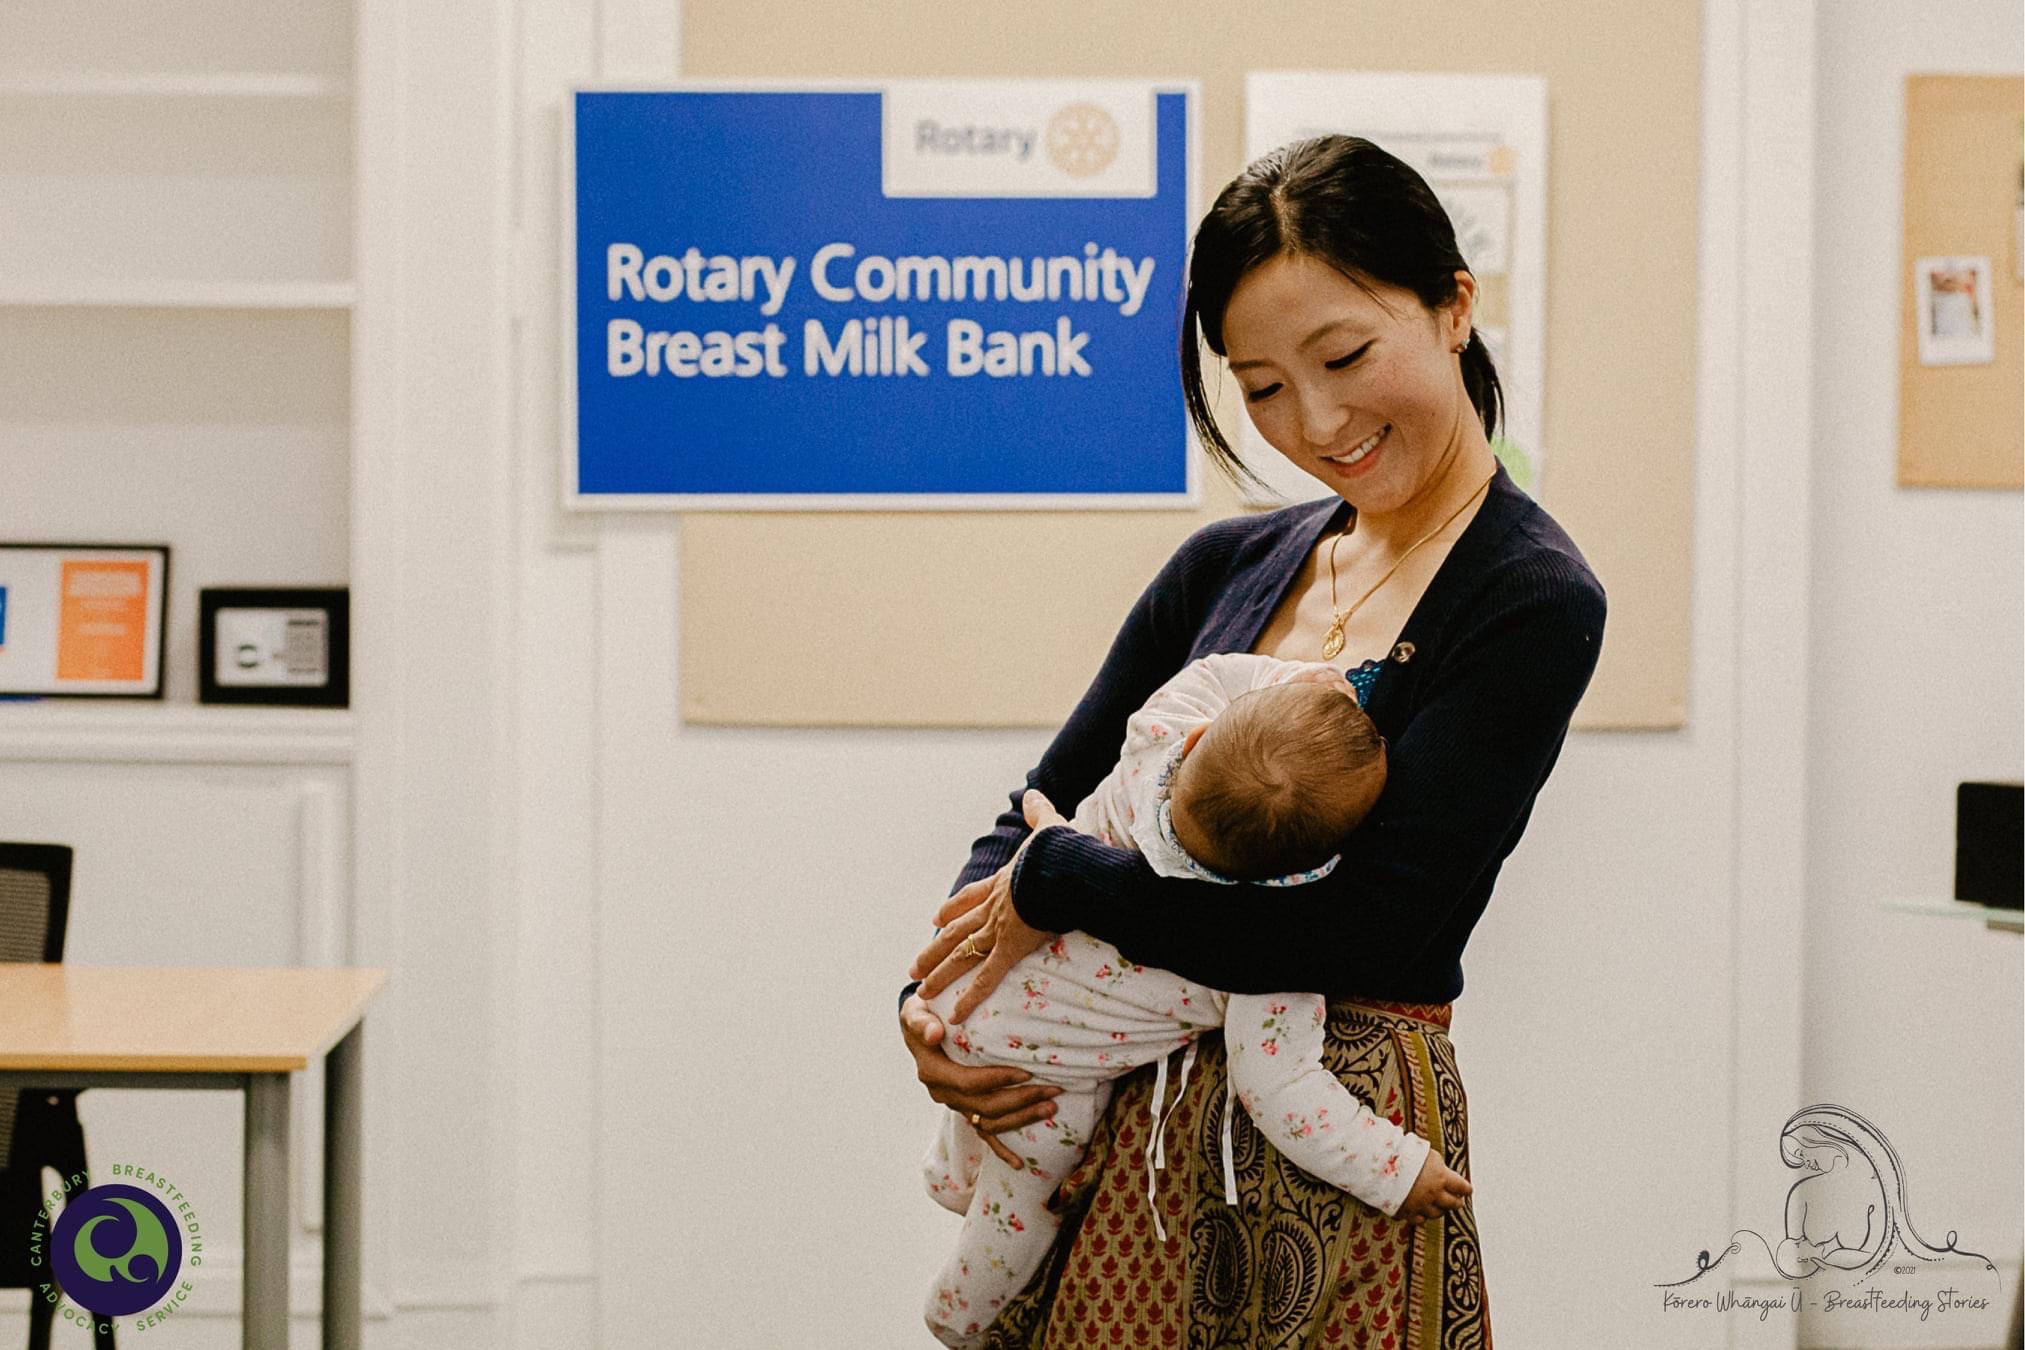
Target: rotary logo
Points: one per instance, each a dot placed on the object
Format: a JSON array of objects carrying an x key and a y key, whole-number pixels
[{"x": 1082, "y": 139}]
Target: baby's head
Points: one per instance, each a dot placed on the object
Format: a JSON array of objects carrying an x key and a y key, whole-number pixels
[{"x": 1276, "y": 782}]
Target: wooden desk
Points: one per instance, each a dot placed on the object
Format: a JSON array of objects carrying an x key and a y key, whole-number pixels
[{"x": 69, "y": 1026}]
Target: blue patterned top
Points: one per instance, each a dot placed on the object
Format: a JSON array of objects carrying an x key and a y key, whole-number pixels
[{"x": 1362, "y": 678}]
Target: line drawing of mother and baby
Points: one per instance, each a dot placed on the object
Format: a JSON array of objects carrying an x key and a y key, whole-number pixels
[{"x": 1334, "y": 719}]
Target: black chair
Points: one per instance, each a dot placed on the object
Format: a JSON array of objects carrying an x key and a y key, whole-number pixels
[{"x": 38, "y": 1128}]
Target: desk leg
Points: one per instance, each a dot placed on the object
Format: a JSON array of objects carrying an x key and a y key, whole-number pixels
[
  {"x": 265, "y": 1299},
  {"x": 343, "y": 1090}
]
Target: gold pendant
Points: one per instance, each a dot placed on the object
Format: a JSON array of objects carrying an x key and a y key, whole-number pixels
[{"x": 1333, "y": 643}]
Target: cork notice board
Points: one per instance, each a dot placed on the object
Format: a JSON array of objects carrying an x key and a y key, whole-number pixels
[
  {"x": 1963, "y": 425},
  {"x": 1000, "y": 619}
]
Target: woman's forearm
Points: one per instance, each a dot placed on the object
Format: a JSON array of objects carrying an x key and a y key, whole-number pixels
[
  {"x": 1197, "y": 929},
  {"x": 993, "y": 849}
]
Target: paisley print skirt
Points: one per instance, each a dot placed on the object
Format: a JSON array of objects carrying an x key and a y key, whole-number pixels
[{"x": 1295, "y": 1263}]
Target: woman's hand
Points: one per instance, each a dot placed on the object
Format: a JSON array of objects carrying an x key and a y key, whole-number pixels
[
  {"x": 992, "y": 1099},
  {"x": 981, "y": 931}
]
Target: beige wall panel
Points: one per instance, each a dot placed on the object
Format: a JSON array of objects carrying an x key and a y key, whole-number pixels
[
  {"x": 1962, "y": 426},
  {"x": 1000, "y": 619}
]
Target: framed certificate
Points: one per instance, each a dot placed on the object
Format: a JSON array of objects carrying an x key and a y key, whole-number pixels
[
  {"x": 275, "y": 645},
  {"x": 83, "y": 620}
]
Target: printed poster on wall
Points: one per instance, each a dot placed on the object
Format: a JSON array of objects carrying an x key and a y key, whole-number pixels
[
  {"x": 1480, "y": 141},
  {"x": 941, "y": 294},
  {"x": 82, "y": 619}
]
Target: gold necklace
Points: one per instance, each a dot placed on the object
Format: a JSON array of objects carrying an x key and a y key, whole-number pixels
[{"x": 1333, "y": 642}]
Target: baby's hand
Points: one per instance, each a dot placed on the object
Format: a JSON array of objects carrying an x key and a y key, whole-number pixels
[{"x": 1436, "y": 1190}]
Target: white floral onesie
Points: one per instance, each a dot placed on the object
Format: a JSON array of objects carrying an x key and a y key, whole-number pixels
[{"x": 1077, "y": 1014}]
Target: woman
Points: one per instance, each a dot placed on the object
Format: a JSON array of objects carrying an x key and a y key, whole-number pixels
[{"x": 1327, "y": 275}]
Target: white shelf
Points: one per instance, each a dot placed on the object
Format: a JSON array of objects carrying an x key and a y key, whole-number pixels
[
  {"x": 1946, "y": 907},
  {"x": 138, "y": 84},
  {"x": 90, "y": 731},
  {"x": 23, "y": 294}
]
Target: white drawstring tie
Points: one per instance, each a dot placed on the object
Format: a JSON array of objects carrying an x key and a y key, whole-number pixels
[
  {"x": 1229, "y": 1167},
  {"x": 1156, "y": 1147}
]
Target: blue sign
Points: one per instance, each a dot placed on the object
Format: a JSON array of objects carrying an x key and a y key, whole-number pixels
[
  {"x": 944, "y": 294},
  {"x": 3, "y": 616}
]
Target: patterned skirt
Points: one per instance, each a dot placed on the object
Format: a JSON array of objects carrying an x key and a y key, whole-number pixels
[{"x": 1295, "y": 1263}]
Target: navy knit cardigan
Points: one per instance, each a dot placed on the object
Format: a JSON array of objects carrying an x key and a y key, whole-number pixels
[{"x": 1474, "y": 701}]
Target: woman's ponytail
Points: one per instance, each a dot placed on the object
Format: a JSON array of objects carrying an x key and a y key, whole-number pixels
[{"x": 1480, "y": 379}]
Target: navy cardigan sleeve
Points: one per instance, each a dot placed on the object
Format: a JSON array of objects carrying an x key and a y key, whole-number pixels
[{"x": 1487, "y": 724}]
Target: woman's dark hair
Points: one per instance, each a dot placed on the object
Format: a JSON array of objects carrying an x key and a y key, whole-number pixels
[{"x": 1340, "y": 200}]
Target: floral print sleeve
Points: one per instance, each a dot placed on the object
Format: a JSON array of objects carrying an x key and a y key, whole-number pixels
[{"x": 1275, "y": 1047}]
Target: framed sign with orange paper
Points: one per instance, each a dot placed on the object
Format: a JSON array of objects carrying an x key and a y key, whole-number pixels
[{"x": 83, "y": 619}]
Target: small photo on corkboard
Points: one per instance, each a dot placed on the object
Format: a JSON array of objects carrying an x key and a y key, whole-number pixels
[{"x": 1961, "y": 368}]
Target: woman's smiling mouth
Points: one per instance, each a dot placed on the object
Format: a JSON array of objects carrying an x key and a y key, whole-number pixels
[{"x": 1357, "y": 454}]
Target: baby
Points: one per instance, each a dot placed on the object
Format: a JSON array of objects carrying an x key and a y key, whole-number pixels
[{"x": 1240, "y": 768}]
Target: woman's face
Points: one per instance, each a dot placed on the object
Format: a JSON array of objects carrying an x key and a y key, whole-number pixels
[{"x": 1324, "y": 368}]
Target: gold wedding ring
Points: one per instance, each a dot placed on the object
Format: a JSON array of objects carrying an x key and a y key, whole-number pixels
[{"x": 969, "y": 947}]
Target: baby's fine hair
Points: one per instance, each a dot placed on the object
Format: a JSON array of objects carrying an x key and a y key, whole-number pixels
[{"x": 1279, "y": 779}]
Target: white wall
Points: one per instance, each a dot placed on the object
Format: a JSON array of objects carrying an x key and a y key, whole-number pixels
[{"x": 1913, "y": 674}]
